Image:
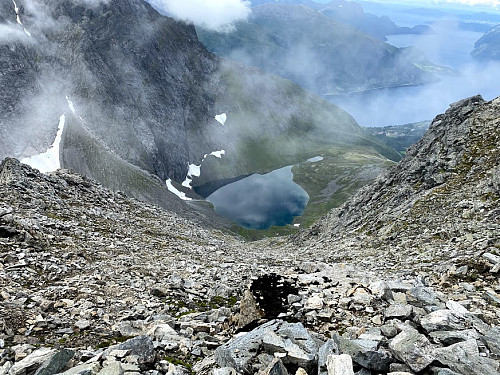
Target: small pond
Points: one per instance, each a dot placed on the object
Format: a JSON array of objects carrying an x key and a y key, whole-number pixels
[{"x": 260, "y": 201}]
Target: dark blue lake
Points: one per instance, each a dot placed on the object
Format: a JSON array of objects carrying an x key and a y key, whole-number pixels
[{"x": 261, "y": 201}]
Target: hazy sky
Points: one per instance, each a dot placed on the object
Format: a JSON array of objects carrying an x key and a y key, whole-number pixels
[{"x": 420, "y": 3}]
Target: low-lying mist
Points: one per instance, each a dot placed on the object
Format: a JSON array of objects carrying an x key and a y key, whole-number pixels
[
  {"x": 450, "y": 47},
  {"x": 412, "y": 104}
]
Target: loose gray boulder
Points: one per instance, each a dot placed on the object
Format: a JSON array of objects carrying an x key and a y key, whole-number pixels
[
  {"x": 140, "y": 346},
  {"x": 291, "y": 341},
  {"x": 377, "y": 360},
  {"x": 56, "y": 363},
  {"x": 464, "y": 358},
  {"x": 444, "y": 320},
  {"x": 412, "y": 348},
  {"x": 276, "y": 368},
  {"x": 32, "y": 361},
  {"x": 327, "y": 349}
]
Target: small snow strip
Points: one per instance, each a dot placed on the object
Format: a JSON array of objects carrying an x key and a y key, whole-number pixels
[
  {"x": 315, "y": 159},
  {"x": 18, "y": 18},
  {"x": 172, "y": 189},
  {"x": 221, "y": 118},
  {"x": 194, "y": 170},
  {"x": 72, "y": 107},
  {"x": 218, "y": 154},
  {"x": 187, "y": 183},
  {"x": 49, "y": 160}
]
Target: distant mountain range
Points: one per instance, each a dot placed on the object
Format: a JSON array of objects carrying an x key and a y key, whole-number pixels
[
  {"x": 327, "y": 57},
  {"x": 488, "y": 46},
  {"x": 352, "y": 13}
]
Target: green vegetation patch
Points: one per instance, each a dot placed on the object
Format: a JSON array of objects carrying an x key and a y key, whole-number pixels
[{"x": 400, "y": 137}]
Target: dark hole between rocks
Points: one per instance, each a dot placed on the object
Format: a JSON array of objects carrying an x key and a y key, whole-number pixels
[
  {"x": 6, "y": 232},
  {"x": 271, "y": 292}
]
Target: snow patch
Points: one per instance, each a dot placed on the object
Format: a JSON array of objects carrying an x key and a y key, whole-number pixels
[
  {"x": 187, "y": 183},
  {"x": 296, "y": 225},
  {"x": 315, "y": 159},
  {"x": 18, "y": 18},
  {"x": 193, "y": 170},
  {"x": 174, "y": 190},
  {"x": 221, "y": 118},
  {"x": 217, "y": 154},
  {"x": 72, "y": 107},
  {"x": 49, "y": 160}
]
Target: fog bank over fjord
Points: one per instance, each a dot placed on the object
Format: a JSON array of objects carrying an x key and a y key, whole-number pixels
[{"x": 451, "y": 46}]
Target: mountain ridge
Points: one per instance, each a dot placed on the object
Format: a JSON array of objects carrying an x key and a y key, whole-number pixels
[{"x": 488, "y": 46}]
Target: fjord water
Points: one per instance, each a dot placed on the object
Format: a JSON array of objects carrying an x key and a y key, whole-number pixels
[
  {"x": 261, "y": 201},
  {"x": 450, "y": 47}
]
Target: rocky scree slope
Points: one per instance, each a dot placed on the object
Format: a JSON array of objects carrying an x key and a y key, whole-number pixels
[
  {"x": 94, "y": 282},
  {"x": 445, "y": 191},
  {"x": 140, "y": 94}
]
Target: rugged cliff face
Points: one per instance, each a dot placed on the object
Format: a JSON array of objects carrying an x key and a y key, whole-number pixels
[{"x": 140, "y": 94}]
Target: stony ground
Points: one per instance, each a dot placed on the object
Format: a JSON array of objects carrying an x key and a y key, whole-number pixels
[{"x": 92, "y": 282}]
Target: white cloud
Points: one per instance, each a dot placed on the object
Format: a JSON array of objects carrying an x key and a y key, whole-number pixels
[
  {"x": 217, "y": 15},
  {"x": 11, "y": 33}
]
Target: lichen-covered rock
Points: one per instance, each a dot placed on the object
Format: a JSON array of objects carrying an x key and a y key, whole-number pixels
[{"x": 339, "y": 364}]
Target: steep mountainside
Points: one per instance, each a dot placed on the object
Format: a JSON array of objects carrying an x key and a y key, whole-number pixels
[
  {"x": 488, "y": 46},
  {"x": 440, "y": 204},
  {"x": 94, "y": 282},
  {"x": 140, "y": 95},
  {"x": 299, "y": 43}
]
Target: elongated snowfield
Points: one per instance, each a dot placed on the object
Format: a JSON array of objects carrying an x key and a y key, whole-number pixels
[
  {"x": 18, "y": 18},
  {"x": 49, "y": 160},
  {"x": 174, "y": 190}
]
